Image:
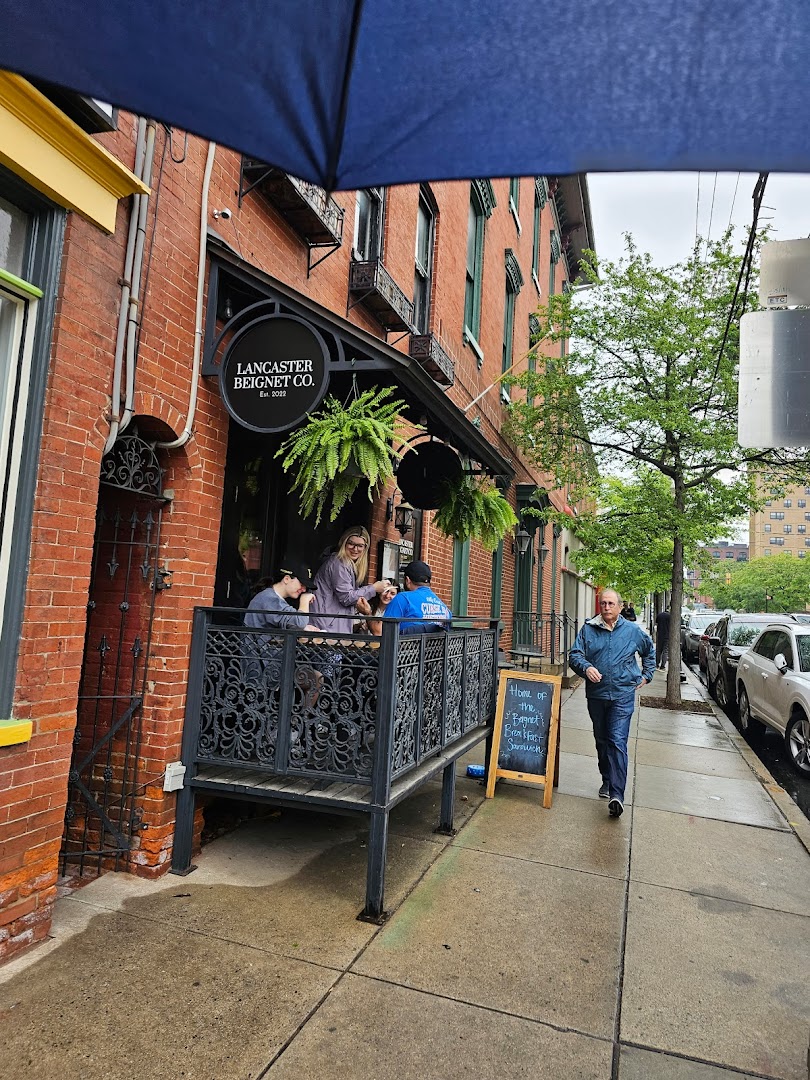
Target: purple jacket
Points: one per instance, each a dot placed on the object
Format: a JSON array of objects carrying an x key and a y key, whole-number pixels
[{"x": 336, "y": 591}]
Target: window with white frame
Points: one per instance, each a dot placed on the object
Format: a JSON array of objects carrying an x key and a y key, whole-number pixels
[
  {"x": 368, "y": 224},
  {"x": 423, "y": 260},
  {"x": 31, "y": 235},
  {"x": 18, "y": 304}
]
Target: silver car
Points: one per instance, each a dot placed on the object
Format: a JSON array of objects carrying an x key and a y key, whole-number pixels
[
  {"x": 773, "y": 688},
  {"x": 695, "y": 625}
]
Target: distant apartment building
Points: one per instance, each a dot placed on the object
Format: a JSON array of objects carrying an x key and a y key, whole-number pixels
[
  {"x": 782, "y": 525},
  {"x": 722, "y": 550}
]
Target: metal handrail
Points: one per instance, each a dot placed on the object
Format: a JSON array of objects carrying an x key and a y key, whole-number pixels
[{"x": 547, "y": 635}]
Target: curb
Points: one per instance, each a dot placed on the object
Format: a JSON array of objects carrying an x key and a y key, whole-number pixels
[{"x": 784, "y": 804}]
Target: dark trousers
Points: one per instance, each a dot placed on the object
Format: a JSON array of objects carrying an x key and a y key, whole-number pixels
[{"x": 611, "y": 727}]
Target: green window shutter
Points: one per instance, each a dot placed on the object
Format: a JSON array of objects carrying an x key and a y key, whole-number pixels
[
  {"x": 479, "y": 200},
  {"x": 497, "y": 581},
  {"x": 461, "y": 577}
]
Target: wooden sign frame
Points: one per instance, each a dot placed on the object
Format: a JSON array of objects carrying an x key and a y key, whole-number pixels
[{"x": 547, "y": 779}]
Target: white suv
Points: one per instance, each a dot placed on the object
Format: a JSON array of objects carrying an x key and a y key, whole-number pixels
[{"x": 773, "y": 688}]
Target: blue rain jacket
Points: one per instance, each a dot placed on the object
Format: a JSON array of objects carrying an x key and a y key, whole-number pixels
[{"x": 613, "y": 653}]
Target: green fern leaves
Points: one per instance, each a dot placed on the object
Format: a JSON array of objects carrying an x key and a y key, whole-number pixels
[
  {"x": 475, "y": 509},
  {"x": 340, "y": 446}
]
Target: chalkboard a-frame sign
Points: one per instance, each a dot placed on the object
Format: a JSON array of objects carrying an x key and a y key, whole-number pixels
[{"x": 524, "y": 739}]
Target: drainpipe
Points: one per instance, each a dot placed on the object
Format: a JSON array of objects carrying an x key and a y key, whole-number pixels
[
  {"x": 133, "y": 314},
  {"x": 185, "y": 434},
  {"x": 126, "y": 286}
]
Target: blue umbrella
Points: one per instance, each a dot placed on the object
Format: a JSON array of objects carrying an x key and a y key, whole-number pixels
[{"x": 356, "y": 94}]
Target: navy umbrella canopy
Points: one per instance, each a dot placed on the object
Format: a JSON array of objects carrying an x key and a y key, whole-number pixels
[{"x": 351, "y": 95}]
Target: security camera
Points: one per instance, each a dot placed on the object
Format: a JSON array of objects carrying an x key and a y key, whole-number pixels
[{"x": 226, "y": 214}]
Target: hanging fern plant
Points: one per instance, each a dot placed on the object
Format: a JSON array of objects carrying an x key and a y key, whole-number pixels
[
  {"x": 475, "y": 509},
  {"x": 339, "y": 447}
]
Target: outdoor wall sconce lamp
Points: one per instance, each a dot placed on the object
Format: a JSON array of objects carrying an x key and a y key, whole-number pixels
[
  {"x": 402, "y": 516},
  {"x": 543, "y": 554},
  {"x": 522, "y": 540}
]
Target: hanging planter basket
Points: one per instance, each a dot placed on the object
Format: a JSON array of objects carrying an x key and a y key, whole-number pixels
[
  {"x": 474, "y": 509},
  {"x": 339, "y": 447}
]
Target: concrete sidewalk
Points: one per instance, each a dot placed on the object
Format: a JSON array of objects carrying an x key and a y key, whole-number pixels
[{"x": 671, "y": 943}]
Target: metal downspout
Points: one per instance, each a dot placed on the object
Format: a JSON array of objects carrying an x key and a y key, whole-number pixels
[
  {"x": 126, "y": 285},
  {"x": 185, "y": 435},
  {"x": 133, "y": 316}
]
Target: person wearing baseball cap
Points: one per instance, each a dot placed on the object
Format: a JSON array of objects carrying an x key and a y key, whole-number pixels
[
  {"x": 418, "y": 605},
  {"x": 291, "y": 580}
]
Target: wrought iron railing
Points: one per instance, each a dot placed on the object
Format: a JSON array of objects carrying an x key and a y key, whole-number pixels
[
  {"x": 428, "y": 350},
  {"x": 374, "y": 287},
  {"x": 546, "y": 635},
  {"x": 316, "y": 705}
]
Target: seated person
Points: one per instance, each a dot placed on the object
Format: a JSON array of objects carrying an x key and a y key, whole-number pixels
[
  {"x": 419, "y": 604},
  {"x": 272, "y": 607},
  {"x": 374, "y": 612}
]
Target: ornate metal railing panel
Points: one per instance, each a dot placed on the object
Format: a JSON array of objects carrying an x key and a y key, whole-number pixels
[
  {"x": 297, "y": 703},
  {"x": 427, "y": 349},
  {"x": 377, "y": 290},
  {"x": 326, "y": 692}
]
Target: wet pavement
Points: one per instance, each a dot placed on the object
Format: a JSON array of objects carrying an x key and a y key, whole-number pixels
[{"x": 672, "y": 943}]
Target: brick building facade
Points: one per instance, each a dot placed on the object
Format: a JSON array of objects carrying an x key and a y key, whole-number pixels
[{"x": 98, "y": 538}]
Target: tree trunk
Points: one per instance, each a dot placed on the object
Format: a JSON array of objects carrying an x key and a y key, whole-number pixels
[{"x": 673, "y": 697}]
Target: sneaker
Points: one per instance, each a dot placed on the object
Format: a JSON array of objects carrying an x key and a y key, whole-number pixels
[
  {"x": 604, "y": 790},
  {"x": 615, "y": 807}
]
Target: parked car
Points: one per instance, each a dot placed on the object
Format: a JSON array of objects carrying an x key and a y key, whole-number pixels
[
  {"x": 773, "y": 688},
  {"x": 732, "y": 635},
  {"x": 703, "y": 645},
  {"x": 694, "y": 626}
]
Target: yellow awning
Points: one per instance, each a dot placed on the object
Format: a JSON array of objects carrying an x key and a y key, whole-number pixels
[{"x": 49, "y": 151}]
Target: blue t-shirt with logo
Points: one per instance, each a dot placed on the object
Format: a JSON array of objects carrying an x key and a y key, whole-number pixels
[{"x": 420, "y": 604}]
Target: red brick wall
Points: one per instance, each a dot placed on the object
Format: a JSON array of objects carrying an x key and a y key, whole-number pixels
[{"x": 33, "y": 777}]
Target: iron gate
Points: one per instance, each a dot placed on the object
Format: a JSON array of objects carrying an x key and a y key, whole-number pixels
[{"x": 103, "y": 814}]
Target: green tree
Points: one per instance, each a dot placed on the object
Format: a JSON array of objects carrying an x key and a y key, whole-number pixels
[
  {"x": 650, "y": 383},
  {"x": 623, "y": 543},
  {"x": 776, "y": 583}
]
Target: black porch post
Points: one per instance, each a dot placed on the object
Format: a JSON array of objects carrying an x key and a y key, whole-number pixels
[
  {"x": 381, "y": 774},
  {"x": 184, "y": 823}
]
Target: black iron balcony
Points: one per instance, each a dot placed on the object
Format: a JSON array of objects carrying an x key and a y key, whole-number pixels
[
  {"x": 372, "y": 285},
  {"x": 313, "y": 214},
  {"x": 426, "y": 349}
]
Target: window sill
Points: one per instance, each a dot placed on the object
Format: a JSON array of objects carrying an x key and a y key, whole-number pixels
[
  {"x": 536, "y": 284},
  {"x": 15, "y": 732},
  {"x": 469, "y": 339}
]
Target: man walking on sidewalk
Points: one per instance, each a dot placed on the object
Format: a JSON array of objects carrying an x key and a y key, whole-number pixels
[
  {"x": 662, "y": 638},
  {"x": 604, "y": 654}
]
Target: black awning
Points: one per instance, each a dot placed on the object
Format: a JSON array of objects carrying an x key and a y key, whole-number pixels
[{"x": 355, "y": 352}]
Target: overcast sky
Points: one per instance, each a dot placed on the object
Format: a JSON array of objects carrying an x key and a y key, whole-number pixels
[{"x": 659, "y": 209}]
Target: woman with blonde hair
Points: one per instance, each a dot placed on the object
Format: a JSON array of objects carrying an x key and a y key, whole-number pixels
[{"x": 337, "y": 587}]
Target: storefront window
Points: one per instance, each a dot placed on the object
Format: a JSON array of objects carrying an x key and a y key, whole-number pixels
[{"x": 31, "y": 232}]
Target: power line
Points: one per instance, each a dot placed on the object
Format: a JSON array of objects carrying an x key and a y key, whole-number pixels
[
  {"x": 733, "y": 200},
  {"x": 745, "y": 272},
  {"x": 711, "y": 213}
]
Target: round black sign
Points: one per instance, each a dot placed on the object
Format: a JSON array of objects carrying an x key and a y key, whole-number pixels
[
  {"x": 424, "y": 471},
  {"x": 274, "y": 372}
]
